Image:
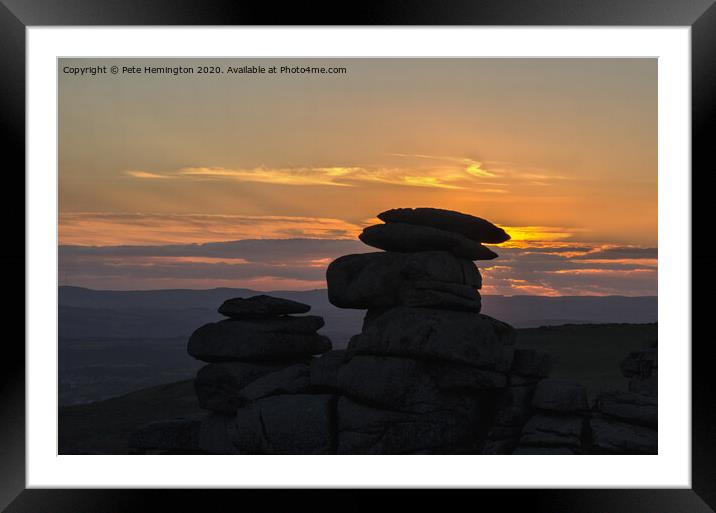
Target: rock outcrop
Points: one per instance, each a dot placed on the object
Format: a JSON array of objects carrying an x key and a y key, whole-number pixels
[
  {"x": 427, "y": 374},
  {"x": 619, "y": 421}
]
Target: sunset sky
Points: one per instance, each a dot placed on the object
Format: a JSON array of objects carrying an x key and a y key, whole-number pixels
[{"x": 259, "y": 181}]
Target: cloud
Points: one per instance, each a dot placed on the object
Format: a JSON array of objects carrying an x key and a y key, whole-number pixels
[
  {"x": 147, "y": 175},
  {"x": 621, "y": 252},
  {"x": 275, "y": 264},
  {"x": 109, "y": 229},
  {"x": 413, "y": 170},
  {"x": 325, "y": 176}
]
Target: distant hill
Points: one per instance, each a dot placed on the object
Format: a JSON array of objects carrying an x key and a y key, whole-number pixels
[{"x": 123, "y": 313}]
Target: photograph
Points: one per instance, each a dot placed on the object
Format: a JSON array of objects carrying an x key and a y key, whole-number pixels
[{"x": 337, "y": 256}]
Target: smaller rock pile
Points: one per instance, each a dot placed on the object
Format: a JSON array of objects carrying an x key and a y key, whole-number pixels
[{"x": 257, "y": 384}]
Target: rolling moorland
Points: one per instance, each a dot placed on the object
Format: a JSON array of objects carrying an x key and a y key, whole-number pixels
[{"x": 112, "y": 343}]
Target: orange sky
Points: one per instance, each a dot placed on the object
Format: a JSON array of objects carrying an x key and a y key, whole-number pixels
[{"x": 554, "y": 150}]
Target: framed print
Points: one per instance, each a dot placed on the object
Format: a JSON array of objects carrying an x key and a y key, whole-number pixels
[{"x": 439, "y": 248}]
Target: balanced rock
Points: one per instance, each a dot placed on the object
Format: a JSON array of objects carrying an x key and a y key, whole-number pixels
[
  {"x": 261, "y": 306},
  {"x": 408, "y": 238},
  {"x": 387, "y": 279},
  {"x": 469, "y": 338},
  {"x": 472, "y": 227},
  {"x": 225, "y": 387},
  {"x": 244, "y": 341}
]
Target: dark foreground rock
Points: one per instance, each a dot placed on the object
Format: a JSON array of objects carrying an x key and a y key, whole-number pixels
[
  {"x": 616, "y": 437},
  {"x": 261, "y": 306},
  {"x": 285, "y": 424},
  {"x": 225, "y": 387},
  {"x": 636, "y": 408},
  {"x": 472, "y": 227},
  {"x": 383, "y": 280},
  {"x": 364, "y": 429},
  {"x": 407, "y": 238}
]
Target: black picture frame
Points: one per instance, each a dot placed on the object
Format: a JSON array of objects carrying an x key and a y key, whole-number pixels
[{"x": 16, "y": 15}]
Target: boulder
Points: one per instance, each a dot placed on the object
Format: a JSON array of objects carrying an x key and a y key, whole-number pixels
[
  {"x": 403, "y": 384},
  {"x": 428, "y": 333},
  {"x": 222, "y": 386},
  {"x": 285, "y": 424},
  {"x": 282, "y": 324},
  {"x": 384, "y": 280},
  {"x": 640, "y": 364},
  {"x": 324, "y": 369},
  {"x": 260, "y": 306},
  {"x": 636, "y": 408},
  {"x": 553, "y": 430},
  {"x": 408, "y": 238},
  {"x": 179, "y": 434},
  {"x": 364, "y": 429},
  {"x": 234, "y": 340},
  {"x": 560, "y": 395},
  {"x": 615, "y": 437},
  {"x": 530, "y": 362},
  {"x": 472, "y": 227}
]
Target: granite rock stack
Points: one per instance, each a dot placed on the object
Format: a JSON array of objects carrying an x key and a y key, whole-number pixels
[
  {"x": 256, "y": 385},
  {"x": 427, "y": 372}
]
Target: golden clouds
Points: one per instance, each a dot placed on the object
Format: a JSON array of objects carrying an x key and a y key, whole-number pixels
[
  {"x": 107, "y": 229},
  {"x": 441, "y": 172}
]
